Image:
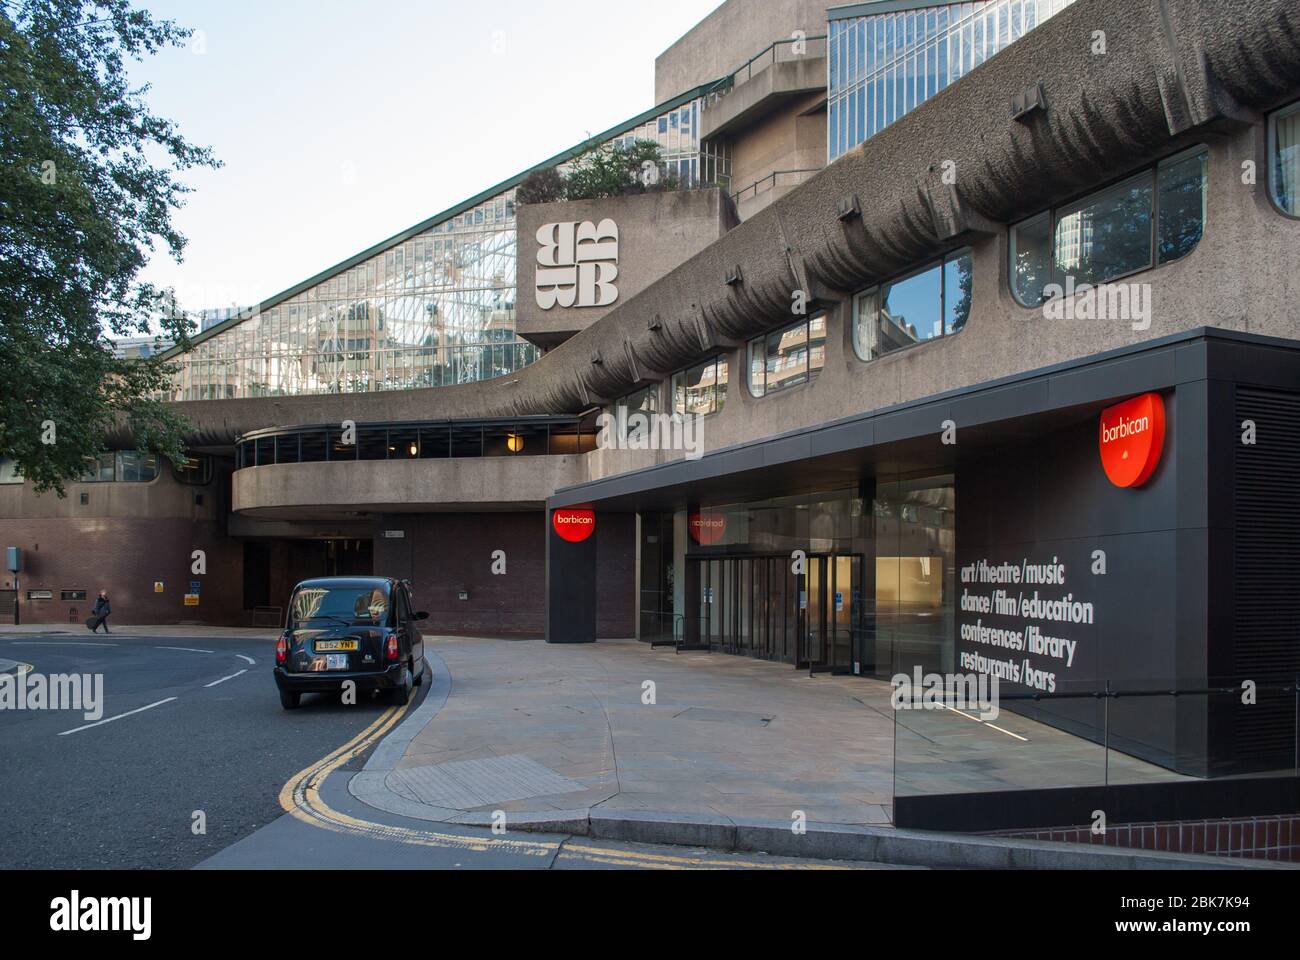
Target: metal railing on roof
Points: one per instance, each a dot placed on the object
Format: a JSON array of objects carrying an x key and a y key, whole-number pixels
[{"x": 780, "y": 51}]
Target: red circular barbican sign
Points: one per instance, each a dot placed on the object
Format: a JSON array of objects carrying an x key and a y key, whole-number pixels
[
  {"x": 707, "y": 528},
  {"x": 574, "y": 526},
  {"x": 1133, "y": 439}
]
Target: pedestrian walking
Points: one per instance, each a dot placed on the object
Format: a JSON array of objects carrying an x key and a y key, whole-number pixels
[{"x": 99, "y": 616}]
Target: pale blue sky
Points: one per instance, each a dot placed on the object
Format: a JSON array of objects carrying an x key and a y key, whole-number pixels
[{"x": 342, "y": 122}]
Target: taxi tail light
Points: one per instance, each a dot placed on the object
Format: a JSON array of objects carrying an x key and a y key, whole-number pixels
[
  {"x": 282, "y": 650},
  {"x": 393, "y": 652}
]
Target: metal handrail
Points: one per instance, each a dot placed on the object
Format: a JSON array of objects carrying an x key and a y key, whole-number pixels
[
  {"x": 729, "y": 82},
  {"x": 773, "y": 176}
]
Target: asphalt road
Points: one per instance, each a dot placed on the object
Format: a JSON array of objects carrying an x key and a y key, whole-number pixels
[
  {"x": 194, "y": 725},
  {"x": 124, "y": 794}
]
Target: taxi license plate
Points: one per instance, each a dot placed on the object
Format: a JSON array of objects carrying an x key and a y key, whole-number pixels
[
  {"x": 336, "y": 646},
  {"x": 336, "y": 661}
]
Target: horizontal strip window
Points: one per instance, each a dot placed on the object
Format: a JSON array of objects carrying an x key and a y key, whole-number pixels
[
  {"x": 643, "y": 401},
  {"x": 1149, "y": 219},
  {"x": 123, "y": 466},
  {"x": 702, "y": 389},
  {"x": 416, "y": 442},
  {"x": 73, "y": 595},
  {"x": 1284, "y": 150},
  {"x": 925, "y": 305},
  {"x": 787, "y": 357},
  {"x": 195, "y": 472}
]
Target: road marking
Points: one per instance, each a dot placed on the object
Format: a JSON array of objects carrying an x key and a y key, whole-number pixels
[
  {"x": 301, "y": 798},
  {"x": 185, "y": 649},
  {"x": 224, "y": 679},
  {"x": 59, "y": 643},
  {"x": 249, "y": 659},
  {"x": 129, "y": 713},
  {"x": 983, "y": 723}
]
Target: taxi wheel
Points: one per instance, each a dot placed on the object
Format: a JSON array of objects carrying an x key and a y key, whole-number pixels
[
  {"x": 419, "y": 677},
  {"x": 401, "y": 694},
  {"x": 290, "y": 700}
]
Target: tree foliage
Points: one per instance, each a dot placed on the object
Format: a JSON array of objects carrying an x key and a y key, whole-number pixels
[
  {"x": 88, "y": 185},
  {"x": 599, "y": 172}
]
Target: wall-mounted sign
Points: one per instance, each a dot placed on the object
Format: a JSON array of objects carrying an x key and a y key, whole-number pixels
[
  {"x": 1133, "y": 439},
  {"x": 575, "y": 526},
  {"x": 158, "y": 586},
  {"x": 394, "y": 534},
  {"x": 577, "y": 264},
  {"x": 707, "y": 528},
  {"x": 191, "y": 599}
]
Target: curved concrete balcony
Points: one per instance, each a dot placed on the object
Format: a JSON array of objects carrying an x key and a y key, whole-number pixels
[{"x": 345, "y": 489}]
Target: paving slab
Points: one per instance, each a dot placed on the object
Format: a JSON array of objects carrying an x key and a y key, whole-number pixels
[{"x": 622, "y": 742}]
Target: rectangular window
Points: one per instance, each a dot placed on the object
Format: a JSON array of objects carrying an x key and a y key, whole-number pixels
[
  {"x": 1155, "y": 217},
  {"x": 701, "y": 390},
  {"x": 1284, "y": 138},
  {"x": 643, "y": 401},
  {"x": 72, "y": 595},
  {"x": 787, "y": 357},
  {"x": 930, "y": 303}
]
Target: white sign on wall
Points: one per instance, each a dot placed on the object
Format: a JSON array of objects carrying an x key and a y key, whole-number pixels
[{"x": 577, "y": 264}]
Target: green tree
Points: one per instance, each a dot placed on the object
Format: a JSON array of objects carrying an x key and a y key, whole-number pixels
[
  {"x": 616, "y": 171},
  {"x": 88, "y": 184}
]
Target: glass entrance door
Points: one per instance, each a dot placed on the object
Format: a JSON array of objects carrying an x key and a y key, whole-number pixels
[{"x": 759, "y": 606}]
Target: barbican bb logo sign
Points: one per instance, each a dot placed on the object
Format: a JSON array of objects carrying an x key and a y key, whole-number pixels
[
  {"x": 575, "y": 526},
  {"x": 577, "y": 264},
  {"x": 1133, "y": 439}
]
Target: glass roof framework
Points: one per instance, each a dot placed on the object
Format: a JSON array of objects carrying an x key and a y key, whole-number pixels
[{"x": 435, "y": 309}]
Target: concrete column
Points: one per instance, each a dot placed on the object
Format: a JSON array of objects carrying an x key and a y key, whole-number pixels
[{"x": 570, "y": 586}]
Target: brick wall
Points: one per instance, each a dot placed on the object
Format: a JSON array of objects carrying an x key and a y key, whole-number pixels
[
  {"x": 125, "y": 556},
  {"x": 446, "y": 553}
]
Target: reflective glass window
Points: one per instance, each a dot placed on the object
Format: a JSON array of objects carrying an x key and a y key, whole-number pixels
[
  {"x": 1284, "y": 137},
  {"x": 1154, "y": 217},
  {"x": 926, "y": 304},
  {"x": 701, "y": 390}
]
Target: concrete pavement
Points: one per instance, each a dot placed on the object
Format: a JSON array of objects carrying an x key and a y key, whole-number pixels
[{"x": 622, "y": 742}]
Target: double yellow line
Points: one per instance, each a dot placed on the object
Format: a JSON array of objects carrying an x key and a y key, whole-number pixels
[{"x": 301, "y": 798}]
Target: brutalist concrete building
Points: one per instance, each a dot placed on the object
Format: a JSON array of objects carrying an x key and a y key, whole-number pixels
[{"x": 966, "y": 340}]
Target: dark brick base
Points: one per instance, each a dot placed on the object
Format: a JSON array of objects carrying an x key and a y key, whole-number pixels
[
  {"x": 1258, "y": 838},
  {"x": 447, "y": 554}
]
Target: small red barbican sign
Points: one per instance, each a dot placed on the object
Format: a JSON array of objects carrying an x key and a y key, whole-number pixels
[
  {"x": 574, "y": 526},
  {"x": 1133, "y": 439}
]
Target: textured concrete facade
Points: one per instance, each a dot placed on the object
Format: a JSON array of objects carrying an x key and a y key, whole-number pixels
[
  {"x": 657, "y": 232},
  {"x": 730, "y": 35}
]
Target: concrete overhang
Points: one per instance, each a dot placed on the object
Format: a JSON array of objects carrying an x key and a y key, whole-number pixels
[
  {"x": 906, "y": 440},
  {"x": 352, "y": 490},
  {"x": 762, "y": 94}
]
